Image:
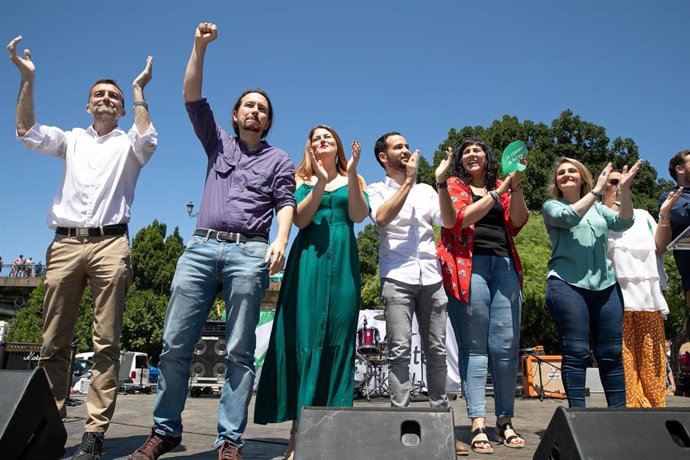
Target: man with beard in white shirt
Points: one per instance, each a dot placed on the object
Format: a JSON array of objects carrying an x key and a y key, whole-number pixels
[
  {"x": 89, "y": 213},
  {"x": 411, "y": 282}
]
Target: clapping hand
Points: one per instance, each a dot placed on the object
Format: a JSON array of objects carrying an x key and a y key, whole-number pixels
[
  {"x": 628, "y": 175},
  {"x": 354, "y": 159},
  {"x": 318, "y": 168},
  {"x": 145, "y": 76},
  {"x": 441, "y": 172},
  {"x": 25, "y": 65}
]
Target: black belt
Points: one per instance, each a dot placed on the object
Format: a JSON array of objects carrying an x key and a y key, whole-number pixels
[
  {"x": 230, "y": 237},
  {"x": 107, "y": 230}
]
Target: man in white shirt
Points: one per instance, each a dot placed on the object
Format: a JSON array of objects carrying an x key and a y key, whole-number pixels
[
  {"x": 411, "y": 282},
  {"x": 89, "y": 213}
]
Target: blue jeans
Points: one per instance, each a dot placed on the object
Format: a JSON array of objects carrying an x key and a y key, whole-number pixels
[
  {"x": 205, "y": 267},
  {"x": 487, "y": 329},
  {"x": 583, "y": 316}
]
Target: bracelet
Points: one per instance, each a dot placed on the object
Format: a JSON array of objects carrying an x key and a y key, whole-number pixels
[
  {"x": 141, "y": 103},
  {"x": 443, "y": 184},
  {"x": 596, "y": 194},
  {"x": 664, "y": 217},
  {"x": 494, "y": 195}
]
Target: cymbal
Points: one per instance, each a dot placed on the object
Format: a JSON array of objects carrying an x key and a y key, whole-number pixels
[
  {"x": 377, "y": 359},
  {"x": 379, "y": 317}
]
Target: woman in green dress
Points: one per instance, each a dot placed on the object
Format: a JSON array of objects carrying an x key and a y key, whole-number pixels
[{"x": 310, "y": 356}]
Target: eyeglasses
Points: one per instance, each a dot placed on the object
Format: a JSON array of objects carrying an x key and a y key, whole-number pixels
[{"x": 613, "y": 181}]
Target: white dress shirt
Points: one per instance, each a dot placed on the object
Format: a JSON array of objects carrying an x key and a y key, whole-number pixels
[
  {"x": 408, "y": 252},
  {"x": 99, "y": 173}
]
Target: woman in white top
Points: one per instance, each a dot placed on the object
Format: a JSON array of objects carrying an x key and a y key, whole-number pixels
[{"x": 637, "y": 258}]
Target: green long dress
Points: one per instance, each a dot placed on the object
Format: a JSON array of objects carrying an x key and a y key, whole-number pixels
[{"x": 310, "y": 355}]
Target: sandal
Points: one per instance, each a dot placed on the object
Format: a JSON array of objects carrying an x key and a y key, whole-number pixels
[
  {"x": 481, "y": 446},
  {"x": 508, "y": 442}
]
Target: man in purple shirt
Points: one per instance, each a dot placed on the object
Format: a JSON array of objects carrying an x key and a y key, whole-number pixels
[{"x": 246, "y": 179}]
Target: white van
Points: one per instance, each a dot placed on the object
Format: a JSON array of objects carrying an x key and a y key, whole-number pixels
[{"x": 134, "y": 370}]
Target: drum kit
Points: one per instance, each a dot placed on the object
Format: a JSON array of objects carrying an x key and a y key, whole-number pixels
[{"x": 371, "y": 364}]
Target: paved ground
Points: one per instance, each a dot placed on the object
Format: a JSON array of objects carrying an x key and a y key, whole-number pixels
[{"x": 132, "y": 423}]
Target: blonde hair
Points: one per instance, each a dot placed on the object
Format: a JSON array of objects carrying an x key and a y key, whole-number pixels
[
  {"x": 305, "y": 169},
  {"x": 585, "y": 178}
]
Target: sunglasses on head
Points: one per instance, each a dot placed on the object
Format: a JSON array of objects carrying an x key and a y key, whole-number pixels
[{"x": 613, "y": 181}]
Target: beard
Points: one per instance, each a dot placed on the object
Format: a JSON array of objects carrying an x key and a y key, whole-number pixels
[
  {"x": 105, "y": 113},
  {"x": 251, "y": 124},
  {"x": 397, "y": 164}
]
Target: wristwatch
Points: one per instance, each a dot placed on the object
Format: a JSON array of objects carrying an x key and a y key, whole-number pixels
[
  {"x": 443, "y": 184},
  {"x": 596, "y": 194}
]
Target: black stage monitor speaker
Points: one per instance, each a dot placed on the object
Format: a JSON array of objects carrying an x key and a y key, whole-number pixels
[
  {"x": 30, "y": 424},
  {"x": 211, "y": 351},
  {"x": 346, "y": 433},
  {"x": 645, "y": 434},
  {"x": 21, "y": 356}
]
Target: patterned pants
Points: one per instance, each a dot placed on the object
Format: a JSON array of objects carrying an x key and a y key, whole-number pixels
[{"x": 644, "y": 359}]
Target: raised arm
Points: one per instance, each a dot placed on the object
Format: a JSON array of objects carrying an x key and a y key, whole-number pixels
[
  {"x": 518, "y": 206},
  {"x": 448, "y": 213},
  {"x": 627, "y": 176},
  {"x": 358, "y": 209},
  {"x": 142, "y": 118},
  {"x": 582, "y": 205},
  {"x": 390, "y": 208},
  {"x": 26, "y": 111},
  {"x": 662, "y": 236},
  {"x": 205, "y": 33}
]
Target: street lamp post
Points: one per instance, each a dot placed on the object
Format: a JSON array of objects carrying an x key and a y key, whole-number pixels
[{"x": 190, "y": 209}]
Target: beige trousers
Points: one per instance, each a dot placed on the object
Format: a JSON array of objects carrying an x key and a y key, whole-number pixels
[{"x": 103, "y": 261}]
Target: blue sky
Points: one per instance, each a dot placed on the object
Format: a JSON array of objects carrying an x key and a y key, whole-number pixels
[{"x": 363, "y": 67}]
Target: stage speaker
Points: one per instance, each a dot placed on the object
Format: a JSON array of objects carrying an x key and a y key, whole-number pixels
[
  {"x": 616, "y": 433},
  {"x": 19, "y": 355},
  {"x": 541, "y": 376},
  {"x": 30, "y": 424},
  {"x": 210, "y": 352},
  {"x": 345, "y": 433}
]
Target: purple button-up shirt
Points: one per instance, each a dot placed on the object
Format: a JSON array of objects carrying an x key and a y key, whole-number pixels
[{"x": 242, "y": 188}]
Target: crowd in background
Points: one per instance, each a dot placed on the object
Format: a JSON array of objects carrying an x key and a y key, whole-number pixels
[{"x": 23, "y": 268}]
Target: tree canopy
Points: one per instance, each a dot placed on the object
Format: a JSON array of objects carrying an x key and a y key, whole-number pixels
[{"x": 154, "y": 257}]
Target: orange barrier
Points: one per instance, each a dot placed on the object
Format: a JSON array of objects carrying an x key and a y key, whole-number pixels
[{"x": 550, "y": 367}]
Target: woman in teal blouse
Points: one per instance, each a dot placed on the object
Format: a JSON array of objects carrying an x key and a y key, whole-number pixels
[{"x": 582, "y": 293}]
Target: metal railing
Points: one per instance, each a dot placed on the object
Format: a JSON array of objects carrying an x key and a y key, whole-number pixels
[{"x": 22, "y": 271}]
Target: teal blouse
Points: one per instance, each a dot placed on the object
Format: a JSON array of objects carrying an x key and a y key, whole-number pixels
[{"x": 579, "y": 243}]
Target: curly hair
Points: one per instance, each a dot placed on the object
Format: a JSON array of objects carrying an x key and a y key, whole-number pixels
[{"x": 490, "y": 165}]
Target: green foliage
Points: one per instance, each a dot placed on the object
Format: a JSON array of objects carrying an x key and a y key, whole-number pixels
[
  {"x": 28, "y": 324},
  {"x": 568, "y": 136},
  {"x": 371, "y": 293},
  {"x": 675, "y": 299},
  {"x": 154, "y": 257},
  {"x": 142, "y": 326},
  {"x": 534, "y": 248},
  {"x": 368, "y": 245},
  {"x": 425, "y": 173}
]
